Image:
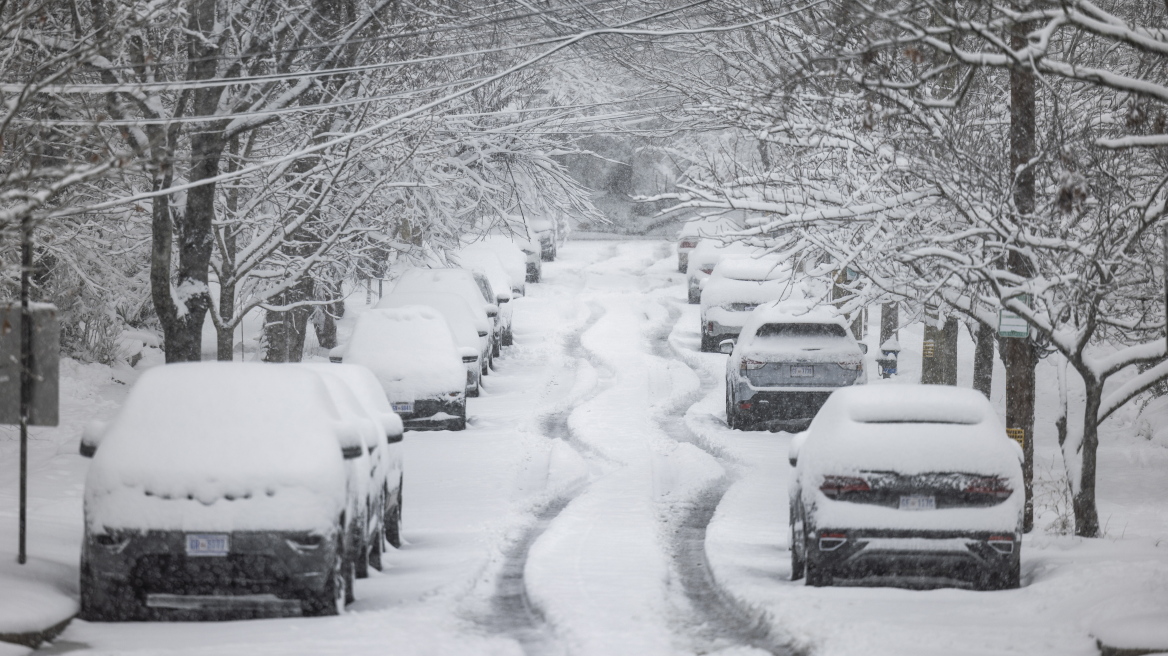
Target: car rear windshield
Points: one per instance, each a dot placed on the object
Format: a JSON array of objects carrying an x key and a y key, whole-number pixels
[{"x": 801, "y": 330}]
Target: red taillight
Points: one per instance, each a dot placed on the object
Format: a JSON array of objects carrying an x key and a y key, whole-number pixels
[
  {"x": 747, "y": 363},
  {"x": 745, "y": 405},
  {"x": 707, "y": 270},
  {"x": 1002, "y": 543},
  {"x": 832, "y": 541},
  {"x": 833, "y": 486},
  {"x": 710, "y": 327},
  {"x": 852, "y": 366},
  {"x": 990, "y": 486}
]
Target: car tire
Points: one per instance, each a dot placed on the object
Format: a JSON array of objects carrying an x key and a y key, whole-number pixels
[
  {"x": 508, "y": 338},
  {"x": 732, "y": 419},
  {"x": 332, "y": 599},
  {"x": 393, "y": 521},
  {"x": 473, "y": 392},
  {"x": 359, "y": 555},
  {"x": 459, "y": 422},
  {"x": 110, "y": 601},
  {"x": 694, "y": 297},
  {"x": 377, "y": 542},
  {"x": 798, "y": 558}
]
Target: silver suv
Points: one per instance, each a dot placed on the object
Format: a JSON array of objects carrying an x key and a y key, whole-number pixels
[{"x": 785, "y": 364}]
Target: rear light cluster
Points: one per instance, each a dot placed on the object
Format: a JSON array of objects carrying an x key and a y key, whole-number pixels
[
  {"x": 832, "y": 541},
  {"x": 989, "y": 486},
  {"x": 748, "y": 364},
  {"x": 852, "y": 366},
  {"x": 707, "y": 270},
  {"x": 1002, "y": 543},
  {"x": 834, "y": 486}
]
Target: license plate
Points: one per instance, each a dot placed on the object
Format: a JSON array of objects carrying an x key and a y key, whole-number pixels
[
  {"x": 203, "y": 544},
  {"x": 918, "y": 502},
  {"x": 403, "y": 407},
  {"x": 802, "y": 372}
]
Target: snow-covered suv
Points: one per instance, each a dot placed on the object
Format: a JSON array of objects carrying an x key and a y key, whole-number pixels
[
  {"x": 218, "y": 490},
  {"x": 786, "y": 362}
]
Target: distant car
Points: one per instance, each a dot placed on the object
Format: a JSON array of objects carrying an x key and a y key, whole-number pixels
[
  {"x": 737, "y": 285},
  {"x": 219, "y": 490},
  {"x": 693, "y": 231},
  {"x": 908, "y": 484},
  {"x": 787, "y": 360},
  {"x": 501, "y": 300},
  {"x": 454, "y": 281},
  {"x": 474, "y": 344},
  {"x": 414, "y": 357},
  {"x": 363, "y": 396},
  {"x": 704, "y": 257},
  {"x": 497, "y": 257}
]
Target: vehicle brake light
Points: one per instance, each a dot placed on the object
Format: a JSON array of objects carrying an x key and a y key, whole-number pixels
[
  {"x": 834, "y": 486},
  {"x": 710, "y": 327},
  {"x": 990, "y": 486},
  {"x": 745, "y": 405},
  {"x": 1002, "y": 543},
  {"x": 747, "y": 364},
  {"x": 707, "y": 270},
  {"x": 852, "y": 366}
]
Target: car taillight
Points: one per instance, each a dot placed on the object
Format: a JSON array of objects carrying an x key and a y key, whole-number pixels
[
  {"x": 989, "y": 486},
  {"x": 852, "y": 366},
  {"x": 469, "y": 358},
  {"x": 710, "y": 327},
  {"x": 1002, "y": 543},
  {"x": 305, "y": 543},
  {"x": 114, "y": 542},
  {"x": 748, "y": 364},
  {"x": 688, "y": 244},
  {"x": 833, "y": 486},
  {"x": 707, "y": 270}
]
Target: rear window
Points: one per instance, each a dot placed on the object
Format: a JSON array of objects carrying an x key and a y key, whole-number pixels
[{"x": 801, "y": 330}]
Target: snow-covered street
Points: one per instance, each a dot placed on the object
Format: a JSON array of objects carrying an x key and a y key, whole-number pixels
[{"x": 598, "y": 505}]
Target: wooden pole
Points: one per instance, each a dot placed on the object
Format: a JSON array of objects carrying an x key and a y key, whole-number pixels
[{"x": 25, "y": 377}]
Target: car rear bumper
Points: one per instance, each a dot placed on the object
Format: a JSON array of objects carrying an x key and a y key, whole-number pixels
[
  {"x": 926, "y": 557},
  {"x": 780, "y": 405},
  {"x": 263, "y": 573},
  {"x": 433, "y": 414}
]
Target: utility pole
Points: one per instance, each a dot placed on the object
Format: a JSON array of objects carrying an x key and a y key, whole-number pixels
[
  {"x": 1018, "y": 354},
  {"x": 25, "y": 375}
]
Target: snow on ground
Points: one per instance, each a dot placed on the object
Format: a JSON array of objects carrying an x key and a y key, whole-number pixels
[{"x": 594, "y": 434}]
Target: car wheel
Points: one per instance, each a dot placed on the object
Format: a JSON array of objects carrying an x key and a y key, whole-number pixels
[
  {"x": 798, "y": 562},
  {"x": 359, "y": 555},
  {"x": 332, "y": 598},
  {"x": 508, "y": 338},
  {"x": 393, "y": 520},
  {"x": 459, "y": 422},
  {"x": 109, "y": 601},
  {"x": 474, "y": 391},
  {"x": 495, "y": 351},
  {"x": 731, "y": 414},
  {"x": 695, "y": 296},
  {"x": 377, "y": 542}
]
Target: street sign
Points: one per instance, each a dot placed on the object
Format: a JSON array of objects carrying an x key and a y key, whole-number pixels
[
  {"x": 46, "y": 338},
  {"x": 1011, "y": 324}
]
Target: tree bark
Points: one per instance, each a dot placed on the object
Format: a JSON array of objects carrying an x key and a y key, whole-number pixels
[
  {"x": 889, "y": 322},
  {"x": 983, "y": 359},
  {"x": 284, "y": 330},
  {"x": 1086, "y": 514},
  {"x": 930, "y": 370},
  {"x": 947, "y": 352}
]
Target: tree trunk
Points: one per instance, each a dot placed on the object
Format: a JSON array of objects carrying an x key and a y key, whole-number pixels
[
  {"x": 284, "y": 330},
  {"x": 947, "y": 352},
  {"x": 1020, "y": 359},
  {"x": 983, "y": 359},
  {"x": 889, "y": 322},
  {"x": 930, "y": 370},
  {"x": 1086, "y": 515}
]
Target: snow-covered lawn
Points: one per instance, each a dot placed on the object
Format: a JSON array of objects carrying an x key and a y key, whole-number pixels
[{"x": 598, "y": 432}]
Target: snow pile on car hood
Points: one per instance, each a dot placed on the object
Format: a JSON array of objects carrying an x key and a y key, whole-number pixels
[
  {"x": 220, "y": 446},
  {"x": 460, "y": 317},
  {"x": 410, "y": 350},
  {"x": 711, "y": 251},
  {"x": 818, "y": 333},
  {"x": 739, "y": 279}
]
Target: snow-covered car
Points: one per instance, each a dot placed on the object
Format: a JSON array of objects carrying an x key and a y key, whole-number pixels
[
  {"x": 220, "y": 489},
  {"x": 496, "y": 282},
  {"x": 692, "y": 232},
  {"x": 501, "y": 300},
  {"x": 786, "y": 362},
  {"x": 455, "y": 281},
  {"x": 911, "y": 484},
  {"x": 413, "y": 355},
  {"x": 544, "y": 231},
  {"x": 355, "y": 391},
  {"x": 473, "y": 340},
  {"x": 702, "y": 260},
  {"x": 500, "y": 260},
  {"x": 737, "y": 285}
]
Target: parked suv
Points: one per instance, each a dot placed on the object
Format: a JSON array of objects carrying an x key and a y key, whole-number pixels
[
  {"x": 219, "y": 490},
  {"x": 909, "y": 484},
  {"x": 786, "y": 362},
  {"x": 737, "y": 285}
]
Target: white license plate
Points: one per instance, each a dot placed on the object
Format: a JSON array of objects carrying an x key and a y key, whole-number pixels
[
  {"x": 403, "y": 407},
  {"x": 802, "y": 372},
  {"x": 208, "y": 544},
  {"x": 918, "y": 502}
]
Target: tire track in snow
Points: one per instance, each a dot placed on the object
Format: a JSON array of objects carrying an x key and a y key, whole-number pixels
[
  {"x": 511, "y": 611},
  {"x": 720, "y": 619}
]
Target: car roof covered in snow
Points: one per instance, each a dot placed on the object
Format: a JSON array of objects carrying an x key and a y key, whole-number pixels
[
  {"x": 710, "y": 225},
  {"x": 711, "y": 251},
  {"x": 908, "y": 429},
  {"x": 487, "y": 263},
  {"x": 460, "y": 317},
  {"x": 452, "y": 281},
  {"x": 511, "y": 257},
  {"x": 366, "y": 389},
  {"x": 409, "y": 349},
  {"x": 748, "y": 267}
]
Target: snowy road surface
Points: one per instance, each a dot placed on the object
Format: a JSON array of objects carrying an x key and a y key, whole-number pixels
[{"x": 598, "y": 505}]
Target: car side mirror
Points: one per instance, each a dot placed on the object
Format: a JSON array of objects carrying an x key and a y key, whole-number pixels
[
  {"x": 393, "y": 427},
  {"x": 796, "y": 445},
  {"x": 482, "y": 333},
  {"x": 502, "y": 298},
  {"x": 337, "y": 354},
  {"x": 726, "y": 346},
  {"x": 492, "y": 310},
  {"x": 468, "y": 354},
  {"x": 863, "y": 348},
  {"x": 349, "y": 436},
  {"x": 91, "y": 437}
]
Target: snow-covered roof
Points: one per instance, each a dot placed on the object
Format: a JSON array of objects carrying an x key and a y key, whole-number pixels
[
  {"x": 462, "y": 320},
  {"x": 452, "y": 281},
  {"x": 410, "y": 350},
  {"x": 711, "y": 251},
  {"x": 744, "y": 267}
]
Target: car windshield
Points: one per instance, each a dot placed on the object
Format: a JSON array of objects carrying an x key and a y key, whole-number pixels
[{"x": 789, "y": 330}]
